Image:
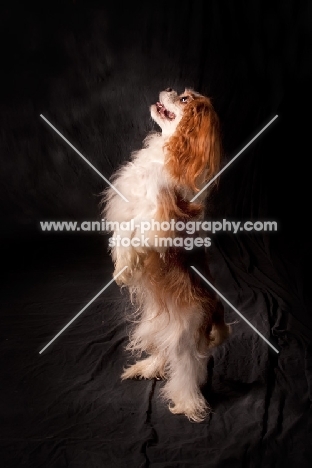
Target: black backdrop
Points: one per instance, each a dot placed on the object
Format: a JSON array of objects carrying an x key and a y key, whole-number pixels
[{"x": 92, "y": 69}]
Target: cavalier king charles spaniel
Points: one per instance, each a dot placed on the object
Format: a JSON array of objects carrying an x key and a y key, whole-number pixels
[{"x": 177, "y": 320}]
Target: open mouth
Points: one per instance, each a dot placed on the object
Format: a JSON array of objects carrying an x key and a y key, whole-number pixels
[{"x": 163, "y": 112}]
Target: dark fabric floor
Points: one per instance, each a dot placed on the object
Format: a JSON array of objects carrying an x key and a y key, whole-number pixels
[{"x": 67, "y": 406}]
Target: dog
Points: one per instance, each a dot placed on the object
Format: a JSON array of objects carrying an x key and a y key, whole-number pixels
[{"x": 177, "y": 320}]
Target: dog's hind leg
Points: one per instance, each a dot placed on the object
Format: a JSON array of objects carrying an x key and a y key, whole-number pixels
[{"x": 187, "y": 355}]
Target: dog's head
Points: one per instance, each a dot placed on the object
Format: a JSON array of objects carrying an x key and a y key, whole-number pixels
[
  {"x": 192, "y": 127},
  {"x": 168, "y": 111}
]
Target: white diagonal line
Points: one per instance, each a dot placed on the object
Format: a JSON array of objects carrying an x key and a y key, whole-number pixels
[
  {"x": 233, "y": 159},
  {"x": 85, "y": 159},
  {"x": 235, "y": 310},
  {"x": 82, "y": 310}
]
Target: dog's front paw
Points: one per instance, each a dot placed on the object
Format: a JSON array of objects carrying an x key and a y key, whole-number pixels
[
  {"x": 127, "y": 276},
  {"x": 149, "y": 368},
  {"x": 121, "y": 278}
]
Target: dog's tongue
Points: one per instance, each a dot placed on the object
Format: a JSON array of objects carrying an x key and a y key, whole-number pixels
[
  {"x": 169, "y": 114},
  {"x": 163, "y": 111}
]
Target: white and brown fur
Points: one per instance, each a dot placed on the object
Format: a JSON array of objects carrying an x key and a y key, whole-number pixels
[{"x": 178, "y": 319}]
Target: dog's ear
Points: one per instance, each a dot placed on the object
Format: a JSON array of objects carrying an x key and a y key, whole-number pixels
[{"x": 193, "y": 153}]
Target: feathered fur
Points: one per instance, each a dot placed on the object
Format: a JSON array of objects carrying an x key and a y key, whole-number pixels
[{"x": 177, "y": 320}]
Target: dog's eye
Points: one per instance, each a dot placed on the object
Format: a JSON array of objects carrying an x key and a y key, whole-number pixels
[{"x": 184, "y": 99}]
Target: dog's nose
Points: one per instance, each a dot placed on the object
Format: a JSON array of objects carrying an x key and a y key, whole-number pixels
[{"x": 169, "y": 90}]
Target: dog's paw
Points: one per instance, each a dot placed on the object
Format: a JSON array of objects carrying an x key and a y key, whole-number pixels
[
  {"x": 219, "y": 334},
  {"x": 124, "y": 278},
  {"x": 195, "y": 410},
  {"x": 149, "y": 368},
  {"x": 185, "y": 399}
]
